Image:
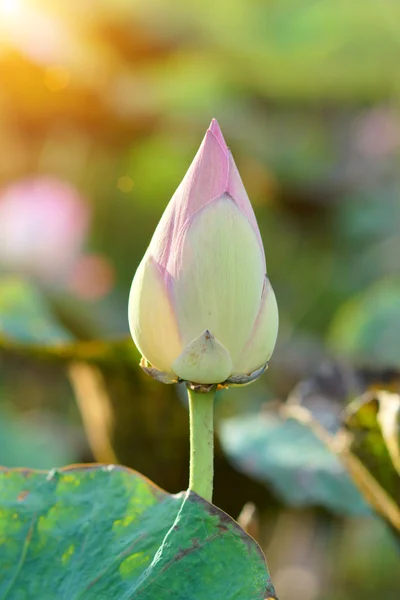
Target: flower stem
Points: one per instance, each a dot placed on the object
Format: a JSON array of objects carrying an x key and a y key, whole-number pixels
[{"x": 201, "y": 410}]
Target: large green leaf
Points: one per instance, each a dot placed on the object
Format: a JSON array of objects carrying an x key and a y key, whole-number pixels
[{"x": 104, "y": 532}]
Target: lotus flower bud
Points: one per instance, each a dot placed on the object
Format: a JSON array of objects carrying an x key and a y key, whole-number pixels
[{"x": 201, "y": 307}]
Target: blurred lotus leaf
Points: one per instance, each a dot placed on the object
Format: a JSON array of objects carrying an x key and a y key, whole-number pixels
[
  {"x": 372, "y": 435},
  {"x": 26, "y": 443},
  {"x": 367, "y": 327},
  {"x": 367, "y": 444},
  {"x": 26, "y": 322},
  {"x": 355, "y": 413},
  {"x": 360, "y": 218},
  {"x": 28, "y": 325},
  {"x": 25, "y": 318},
  {"x": 289, "y": 457},
  {"x": 312, "y": 447},
  {"x": 106, "y": 532}
]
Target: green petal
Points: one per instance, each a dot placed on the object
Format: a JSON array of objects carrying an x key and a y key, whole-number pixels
[
  {"x": 262, "y": 340},
  {"x": 204, "y": 360},
  {"x": 151, "y": 318},
  {"x": 220, "y": 280}
]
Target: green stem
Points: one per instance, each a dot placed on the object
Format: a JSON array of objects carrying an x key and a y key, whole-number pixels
[{"x": 201, "y": 409}]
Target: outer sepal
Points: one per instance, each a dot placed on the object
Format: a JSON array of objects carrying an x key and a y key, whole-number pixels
[
  {"x": 238, "y": 380},
  {"x": 234, "y": 381},
  {"x": 156, "y": 374}
]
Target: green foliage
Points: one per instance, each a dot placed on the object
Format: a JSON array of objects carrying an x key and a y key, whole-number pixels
[
  {"x": 291, "y": 46},
  {"x": 374, "y": 427},
  {"x": 306, "y": 93},
  {"x": 106, "y": 532},
  {"x": 29, "y": 444},
  {"x": 24, "y": 316},
  {"x": 315, "y": 450},
  {"x": 367, "y": 328},
  {"x": 28, "y": 325},
  {"x": 287, "y": 456},
  {"x": 368, "y": 445}
]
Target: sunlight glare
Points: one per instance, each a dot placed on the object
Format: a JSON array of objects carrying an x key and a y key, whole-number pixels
[{"x": 10, "y": 8}]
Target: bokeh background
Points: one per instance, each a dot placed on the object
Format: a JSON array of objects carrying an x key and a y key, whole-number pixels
[{"x": 103, "y": 104}]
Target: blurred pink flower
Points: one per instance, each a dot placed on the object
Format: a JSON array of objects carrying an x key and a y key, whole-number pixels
[{"x": 43, "y": 226}]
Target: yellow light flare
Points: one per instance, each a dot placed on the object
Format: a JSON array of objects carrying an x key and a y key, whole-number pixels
[
  {"x": 12, "y": 14},
  {"x": 11, "y": 8}
]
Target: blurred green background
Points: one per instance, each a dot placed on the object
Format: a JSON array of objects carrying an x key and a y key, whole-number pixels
[{"x": 103, "y": 104}]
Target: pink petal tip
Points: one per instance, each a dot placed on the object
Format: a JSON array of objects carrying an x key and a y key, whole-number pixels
[{"x": 216, "y": 131}]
